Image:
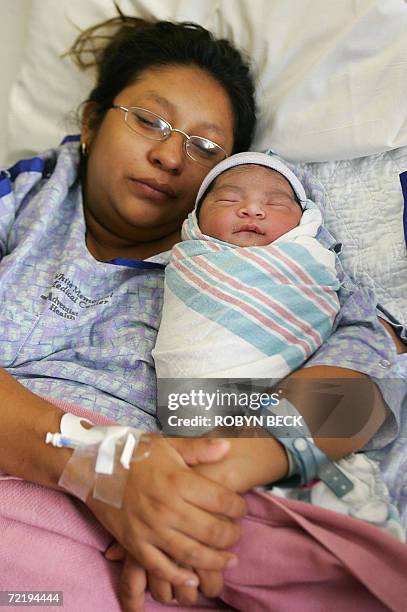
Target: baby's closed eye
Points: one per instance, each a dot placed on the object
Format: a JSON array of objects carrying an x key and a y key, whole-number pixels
[
  {"x": 285, "y": 203},
  {"x": 226, "y": 201}
]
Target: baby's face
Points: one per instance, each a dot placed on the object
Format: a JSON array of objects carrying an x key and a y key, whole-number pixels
[{"x": 249, "y": 206}]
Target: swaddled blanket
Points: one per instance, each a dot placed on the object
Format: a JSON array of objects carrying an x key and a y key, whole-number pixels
[{"x": 255, "y": 311}]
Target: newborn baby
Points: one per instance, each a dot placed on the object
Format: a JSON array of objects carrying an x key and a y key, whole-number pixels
[{"x": 250, "y": 292}]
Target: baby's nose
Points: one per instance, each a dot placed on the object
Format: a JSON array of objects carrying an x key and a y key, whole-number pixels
[{"x": 252, "y": 209}]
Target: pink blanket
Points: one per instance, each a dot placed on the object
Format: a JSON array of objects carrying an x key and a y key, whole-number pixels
[{"x": 293, "y": 556}]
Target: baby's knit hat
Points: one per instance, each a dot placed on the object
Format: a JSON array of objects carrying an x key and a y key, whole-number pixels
[{"x": 250, "y": 157}]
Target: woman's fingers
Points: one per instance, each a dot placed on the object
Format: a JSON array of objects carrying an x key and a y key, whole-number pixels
[
  {"x": 165, "y": 493},
  {"x": 200, "y": 450},
  {"x": 161, "y": 590},
  {"x": 133, "y": 582},
  {"x": 186, "y": 596},
  {"x": 166, "y": 466},
  {"x": 215, "y": 531},
  {"x": 188, "y": 551},
  {"x": 163, "y": 568},
  {"x": 171, "y": 512},
  {"x": 210, "y": 583},
  {"x": 211, "y": 496},
  {"x": 115, "y": 552}
]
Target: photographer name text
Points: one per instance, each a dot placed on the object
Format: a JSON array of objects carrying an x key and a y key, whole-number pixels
[{"x": 237, "y": 420}]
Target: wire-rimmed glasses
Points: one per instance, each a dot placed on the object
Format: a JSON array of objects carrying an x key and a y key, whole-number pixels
[{"x": 152, "y": 126}]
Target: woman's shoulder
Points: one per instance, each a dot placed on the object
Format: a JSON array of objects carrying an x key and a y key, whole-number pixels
[
  {"x": 38, "y": 191},
  {"x": 26, "y": 177}
]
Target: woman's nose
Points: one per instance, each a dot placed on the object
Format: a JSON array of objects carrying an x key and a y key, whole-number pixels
[
  {"x": 252, "y": 209},
  {"x": 169, "y": 153}
]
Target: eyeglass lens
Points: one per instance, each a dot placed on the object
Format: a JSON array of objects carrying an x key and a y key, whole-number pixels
[{"x": 148, "y": 124}]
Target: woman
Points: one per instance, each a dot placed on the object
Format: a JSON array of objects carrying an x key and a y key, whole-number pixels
[{"x": 80, "y": 316}]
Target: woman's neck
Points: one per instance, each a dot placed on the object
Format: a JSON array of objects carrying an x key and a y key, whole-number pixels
[
  {"x": 104, "y": 245},
  {"x": 104, "y": 251}
]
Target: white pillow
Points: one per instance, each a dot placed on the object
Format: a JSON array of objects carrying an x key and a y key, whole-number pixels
[{"x": 332, "y": 76}]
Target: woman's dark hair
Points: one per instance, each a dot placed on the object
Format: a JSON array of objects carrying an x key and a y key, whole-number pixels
[{"x": 124, "y": 47}]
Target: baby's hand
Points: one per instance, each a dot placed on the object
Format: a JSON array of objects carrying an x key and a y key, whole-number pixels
[
  {"x": 134, "y": 580},
  {"x": 210, "y": 585}
]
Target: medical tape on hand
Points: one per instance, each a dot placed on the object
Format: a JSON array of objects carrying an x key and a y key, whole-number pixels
[{"x": 101, "y": 459}]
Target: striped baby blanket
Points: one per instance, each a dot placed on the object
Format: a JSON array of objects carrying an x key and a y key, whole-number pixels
[{"x": 257, "y": 311}]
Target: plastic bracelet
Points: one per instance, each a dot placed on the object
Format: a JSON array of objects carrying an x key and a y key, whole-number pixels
[{"x": 307, "y": 460}]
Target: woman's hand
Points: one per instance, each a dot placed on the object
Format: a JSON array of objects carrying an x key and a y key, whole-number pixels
[
  {"x": 250, "y": 462},
  {"x": 133, "y": 579},
  {"x": 172, "y": 515}
]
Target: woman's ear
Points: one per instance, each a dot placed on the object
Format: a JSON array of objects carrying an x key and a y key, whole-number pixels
[{"x": 89, "y": 122}]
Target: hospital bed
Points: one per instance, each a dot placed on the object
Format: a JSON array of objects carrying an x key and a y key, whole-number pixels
[
  {"x": 331, "y": 93},
  {"x": 331, "y": 90}
]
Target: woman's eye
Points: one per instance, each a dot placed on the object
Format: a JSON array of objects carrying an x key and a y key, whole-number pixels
[
  {"x": 204, "y": 148},
  {"x": 146, "y": 122}
]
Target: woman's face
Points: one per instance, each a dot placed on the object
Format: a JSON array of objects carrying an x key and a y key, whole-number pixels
[{"x": 140, "y": 190}]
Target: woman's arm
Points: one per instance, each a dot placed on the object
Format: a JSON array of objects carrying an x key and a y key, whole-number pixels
[
  {"x": 260, "y": 459},
  {"x": 400, "y": 346},
  {"x": 25, "y": 418},
  {"x": 359, "y": 405},
  {"x": 190, "y": 524}
]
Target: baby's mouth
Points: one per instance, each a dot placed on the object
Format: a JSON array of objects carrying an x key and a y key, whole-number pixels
[{"x": 248, "y": 227}]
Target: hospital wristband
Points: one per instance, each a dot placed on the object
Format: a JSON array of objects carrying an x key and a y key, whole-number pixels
[{"x": 306, "y": 461}]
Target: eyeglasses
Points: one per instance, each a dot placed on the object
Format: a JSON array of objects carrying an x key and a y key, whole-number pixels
[{"x": 152, "y": 126}]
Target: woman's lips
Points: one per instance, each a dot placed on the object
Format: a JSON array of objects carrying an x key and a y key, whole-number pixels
[{"x": 151, "y": 190}]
